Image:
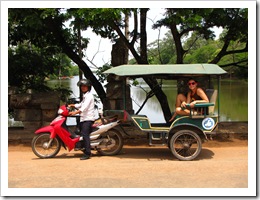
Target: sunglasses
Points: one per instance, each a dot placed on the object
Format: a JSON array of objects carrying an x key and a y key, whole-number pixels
[{"x": 192, "y": 83}]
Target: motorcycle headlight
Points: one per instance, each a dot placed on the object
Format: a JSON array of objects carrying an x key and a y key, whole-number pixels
[{"x": 60, "y": 111}]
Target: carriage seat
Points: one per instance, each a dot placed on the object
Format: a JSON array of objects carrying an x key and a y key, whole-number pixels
[{"x": 212, "y": 96}]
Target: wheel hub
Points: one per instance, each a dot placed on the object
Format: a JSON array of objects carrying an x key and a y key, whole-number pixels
[
  {"x": 186, "y": 145},
  {"x": 108, "y": 143},
  {"x": 45, "y": 145}
]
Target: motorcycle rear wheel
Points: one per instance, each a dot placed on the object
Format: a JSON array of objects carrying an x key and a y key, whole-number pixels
[
  {"x": 40, "y": 146},
  {"x": 112, "y": 143}
]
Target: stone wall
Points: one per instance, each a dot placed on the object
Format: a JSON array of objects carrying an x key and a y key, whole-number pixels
[{"x": 34, "y": 109}]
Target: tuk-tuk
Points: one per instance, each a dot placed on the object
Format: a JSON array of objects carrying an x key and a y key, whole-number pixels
[{"x": 185, "y": 134}]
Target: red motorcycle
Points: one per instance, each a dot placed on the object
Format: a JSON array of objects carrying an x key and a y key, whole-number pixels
[{"x": 49, "y": 139}]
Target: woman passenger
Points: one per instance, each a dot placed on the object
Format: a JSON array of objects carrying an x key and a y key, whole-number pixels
[{"x": 195, "y": 95}]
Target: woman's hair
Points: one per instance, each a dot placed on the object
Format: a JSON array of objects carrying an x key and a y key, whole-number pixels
[{"x": 193, "y": 79}]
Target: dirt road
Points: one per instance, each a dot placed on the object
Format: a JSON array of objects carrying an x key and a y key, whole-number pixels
[{"x": 220, "y": 165}]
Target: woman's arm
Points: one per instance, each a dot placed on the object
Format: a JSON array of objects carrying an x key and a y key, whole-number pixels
[{"x": 188, "y": 97}]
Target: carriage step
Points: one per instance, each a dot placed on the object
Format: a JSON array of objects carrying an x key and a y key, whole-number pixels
[
  {"x": 157, "y": 138},
  {"x": 153, "y": 144}
]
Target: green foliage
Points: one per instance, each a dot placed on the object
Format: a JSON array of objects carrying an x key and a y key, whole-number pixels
[
  {"x": 28, "y": 67},
  {"x": 135, "y": 82},
  {"x": 164, "y": 53},
  {"x": 74, "y": 71},
  {"x": 35, "y": 45},
  {"x": 192, "y": 31},
  {"x": 65, "y": 93},
  {"x": 203, "y": 53},
  {"x": 100, "y": 20},
  {"x": 102, "y": 77},
  {"x": 187, "y": 20},
  {"x": 65, "y": 68},
  {"x": 193, "y": 38}
]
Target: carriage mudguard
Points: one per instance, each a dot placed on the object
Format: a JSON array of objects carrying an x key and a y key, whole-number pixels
[
  {"x": 205, "y": 124},
  {"x": 47, "y": 129}
]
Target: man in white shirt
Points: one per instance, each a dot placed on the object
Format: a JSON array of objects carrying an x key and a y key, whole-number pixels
[{"x": 87, "y": 115}]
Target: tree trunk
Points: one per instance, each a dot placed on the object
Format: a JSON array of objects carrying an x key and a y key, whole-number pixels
[
  {"x": 80, "y": 56},
  {"x": 142, "y": 59},
  {"x": 143, "y": 41},
  {"x": 86, "y": 70},
  {"x": 127, "y": 34},
  {"x": 162, "y": 98},
  {"x": 152, "y": 82},
  {"x": 178, "y": 45},
  {"x": 53, "y": 27}
]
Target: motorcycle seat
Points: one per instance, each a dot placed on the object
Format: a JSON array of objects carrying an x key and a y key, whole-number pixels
[
  {"x": 109, "y": 119},
  {"x": 96, "y": 124},
  {"x": 104, "y": 120}
]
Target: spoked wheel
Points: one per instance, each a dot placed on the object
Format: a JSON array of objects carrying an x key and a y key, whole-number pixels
[
  {"x": 185, "y": 145},
  {"x": 45, "y": 147},
  {"x": 112, "y": 143}
]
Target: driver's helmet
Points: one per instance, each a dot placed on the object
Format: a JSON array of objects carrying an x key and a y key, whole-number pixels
[{"x": 84, "y": 82}]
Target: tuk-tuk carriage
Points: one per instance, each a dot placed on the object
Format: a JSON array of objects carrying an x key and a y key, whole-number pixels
[{"x": 184, "y": 136}]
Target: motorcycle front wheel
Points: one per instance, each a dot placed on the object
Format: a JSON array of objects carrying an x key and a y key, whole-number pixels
[
  {"x": 45, "y": 147},
  {"x": 111, "y": 144}
]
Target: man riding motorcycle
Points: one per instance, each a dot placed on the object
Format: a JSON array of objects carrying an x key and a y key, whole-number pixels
[{"x": 87, "y": 115}]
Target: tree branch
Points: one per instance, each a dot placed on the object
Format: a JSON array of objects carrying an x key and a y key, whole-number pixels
[
  {"x": 238, "y": 51},
  {"x": 235, "y": 64},
  {"x": 135, "y": 29}
]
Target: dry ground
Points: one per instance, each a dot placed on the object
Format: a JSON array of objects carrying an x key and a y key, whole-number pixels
[{"x": 220, "y": 165}]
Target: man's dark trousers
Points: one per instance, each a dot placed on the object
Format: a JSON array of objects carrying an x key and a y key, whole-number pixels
[{"x": 86, "y": 129}]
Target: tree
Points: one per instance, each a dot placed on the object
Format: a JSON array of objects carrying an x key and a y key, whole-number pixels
[
  {"x": 235, "y": 22},
  {"x": 109, "y": 22},
  {"x": 182, "y": 22},
  {"x": 22, "y": 62},
  {"x": 163, "y": 51},
  {"x": 45, "y": 27}
]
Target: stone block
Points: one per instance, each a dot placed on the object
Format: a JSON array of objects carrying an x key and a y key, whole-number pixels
[
  {"x": 32, "y": 125},
  {"x": 19, "y": 100},
  {"x": 48, "y": 106},
  {"x": 49, "y": 115},
  {"x": 27, "y": 115},
  {"x": 44, "y": 123},
  {"x": 42, "y": 98},
  {"x": 12, "y": 90}
]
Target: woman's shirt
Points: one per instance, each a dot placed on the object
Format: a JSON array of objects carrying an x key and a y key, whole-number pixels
[{"x": 194, "y": 97}]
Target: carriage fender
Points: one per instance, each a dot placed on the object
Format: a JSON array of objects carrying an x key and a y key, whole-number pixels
[
  {"x": 45, "y": 129},
  {"x": 185, "y": 127}
]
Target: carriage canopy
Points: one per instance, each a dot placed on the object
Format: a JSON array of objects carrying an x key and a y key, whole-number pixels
[{"x": 170, "y": 70}]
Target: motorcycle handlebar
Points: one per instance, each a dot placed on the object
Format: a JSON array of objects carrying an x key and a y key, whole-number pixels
[{"x": 73, "y": 100}]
